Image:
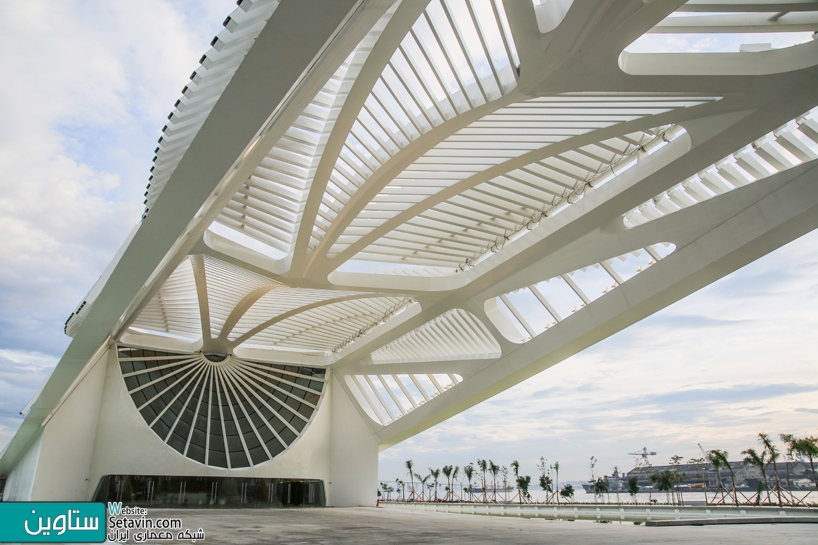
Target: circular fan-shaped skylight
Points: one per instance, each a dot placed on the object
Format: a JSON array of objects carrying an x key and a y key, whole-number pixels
[{"x": 221, "y": 411}]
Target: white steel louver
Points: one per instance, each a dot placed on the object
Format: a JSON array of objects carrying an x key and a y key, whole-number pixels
[
  {"x": 174, "y": 310},
  {"x": 457, "y": 334},
  {"x": 221, "y": 411},
  {"x": 216, "y": 69},
  {"x": 777, "y": 151},
  {"x": 386, "y": 398},
  {"x": 490, "y": 178},
  {"x": 268, "y": 205},
  {"x": 457, "y": 56},
  {"x": 533, "y": 309}
]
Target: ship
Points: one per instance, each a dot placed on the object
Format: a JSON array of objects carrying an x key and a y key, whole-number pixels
[{"x": 795, "y": 475}]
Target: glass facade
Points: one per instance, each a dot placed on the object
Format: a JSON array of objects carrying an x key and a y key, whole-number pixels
[{"x": 210, "y": 492}]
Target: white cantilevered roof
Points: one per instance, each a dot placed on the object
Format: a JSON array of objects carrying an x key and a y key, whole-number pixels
[{"x": 437, "y": 199}]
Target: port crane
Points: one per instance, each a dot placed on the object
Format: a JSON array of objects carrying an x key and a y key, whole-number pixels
[{"x": 643, "y": 454}]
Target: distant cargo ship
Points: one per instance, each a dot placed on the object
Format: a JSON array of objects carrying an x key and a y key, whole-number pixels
[{"x": 702, "y": 477}]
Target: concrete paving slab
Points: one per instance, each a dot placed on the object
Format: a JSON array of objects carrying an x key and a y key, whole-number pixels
[{"x": 373, "y": 526}]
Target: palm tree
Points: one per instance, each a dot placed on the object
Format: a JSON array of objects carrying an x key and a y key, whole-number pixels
[
  {"x": 715, "y": 459},
  {"x": 515, "y": 467},
  {"x": 722, "y": 457},
  {"x": 422, "y": 484},
  {"x": 409, "y": 466},
  {"x": 789, "y": 440},
  {"x": 600, "y": 486},
  {"x": 772, "y": 457},
  {"x": 633, "y": 487},
  {"x": 504, "y": 473},
  {"x": 494, "y": 469},
  {"x": 436, "y": 474},
  {"x": 468, "y": 471},
  {"x": 483, "y": 465},
  {"x": 664, "y": 481},
  {"x": 676, "y": 460},
  {"x": 752, "y": 458},
  {"x": 556, "y": 467},
  {"x": 523, "y": 483},
  {"x": 455, "y": 471},
  {"x": 447, "y": 471},
  {"x": 808, "y": 447}
]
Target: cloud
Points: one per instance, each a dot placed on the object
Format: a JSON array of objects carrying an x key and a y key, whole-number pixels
[
  {"x": 87, "y": 87},
  {"x": 716, "y": 368},
  {"x": 86, "y": 92},
  {"x": 21, "y": 375}
]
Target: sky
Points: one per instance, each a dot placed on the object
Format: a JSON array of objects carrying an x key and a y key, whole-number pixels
[{"x": 87, "y": 88}]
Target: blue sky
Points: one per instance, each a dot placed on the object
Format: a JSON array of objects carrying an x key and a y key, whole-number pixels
[{"x": 85, "y": 93}]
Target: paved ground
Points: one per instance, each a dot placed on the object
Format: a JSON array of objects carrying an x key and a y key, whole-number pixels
[{"x": 370, "y": 526}]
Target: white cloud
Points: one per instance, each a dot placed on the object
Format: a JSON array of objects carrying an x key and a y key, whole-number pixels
[
  {"x": 86, "y": 90},
  {"x": 730, "y": 361},
  {"x": 21, "y": 375}
]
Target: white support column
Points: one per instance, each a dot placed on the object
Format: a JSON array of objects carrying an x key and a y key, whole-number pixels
[{"x": 353, "y": 454}]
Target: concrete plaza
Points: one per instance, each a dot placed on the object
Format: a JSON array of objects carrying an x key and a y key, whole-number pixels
[{"x": 364, "y": 526}]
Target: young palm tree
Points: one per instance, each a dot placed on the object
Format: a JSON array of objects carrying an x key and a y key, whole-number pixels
[
  {"x": 556, "y": 467},
  {"x": 714, "y": 458},
  {"x": 409, "y": 466},
  {"x": 752, "y": 458},
  {"x": 523, "y": 483},
  {"x": 772, "y": 457},
  {"x": 435, "y": 473},
  {"x": 494, "y": 469},
  {"x": 664, "y": 481},
  {"x": 422, "y": 484},
  {"x": 504, "y": 473},
  {"x": 515, "y": 467},
  {"x": 447, "y": 471},
  {"x": 808, "y": 446},
  {"x": 483, "y": 465},
  {"x": 633, "y": 487},
  {"x": 468, "y": 471},
  {"x": 789, "y": 440},
  {"x": 722, "y": 456},
  {"x": 455, "y": 471}
]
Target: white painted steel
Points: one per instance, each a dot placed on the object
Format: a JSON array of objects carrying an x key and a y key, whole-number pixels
[{"x": 439, "y": 199}]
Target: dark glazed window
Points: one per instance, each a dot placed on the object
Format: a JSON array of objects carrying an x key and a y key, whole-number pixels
[
  {"x": 212, "y": 492},
  {"x": 221, "y": 411}
]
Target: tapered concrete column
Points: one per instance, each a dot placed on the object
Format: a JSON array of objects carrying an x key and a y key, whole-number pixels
[{"x": 353, "y": 454}]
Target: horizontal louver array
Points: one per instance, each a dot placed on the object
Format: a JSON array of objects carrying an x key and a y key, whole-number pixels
[
  {"x": 777, "y": 151},
  {"x": 482, "y": 219},
  {"x": 227, "y": 285},
  {"x": 216, "y": 69},
  {"x": 330, "y": 327},
  {"x": 458, "y": 55},
  {"x": 227, "y": 413},
  {"x": 174, "y": 310},
  {"x": 454, "y": 335},
  {"x": 268, "y": 206},
  {"x": 469, "y": 220},
  {"x": 281, "y": 301}
]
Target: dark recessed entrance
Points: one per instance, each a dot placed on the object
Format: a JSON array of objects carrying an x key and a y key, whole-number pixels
[{"x": 209, "y": 492}]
